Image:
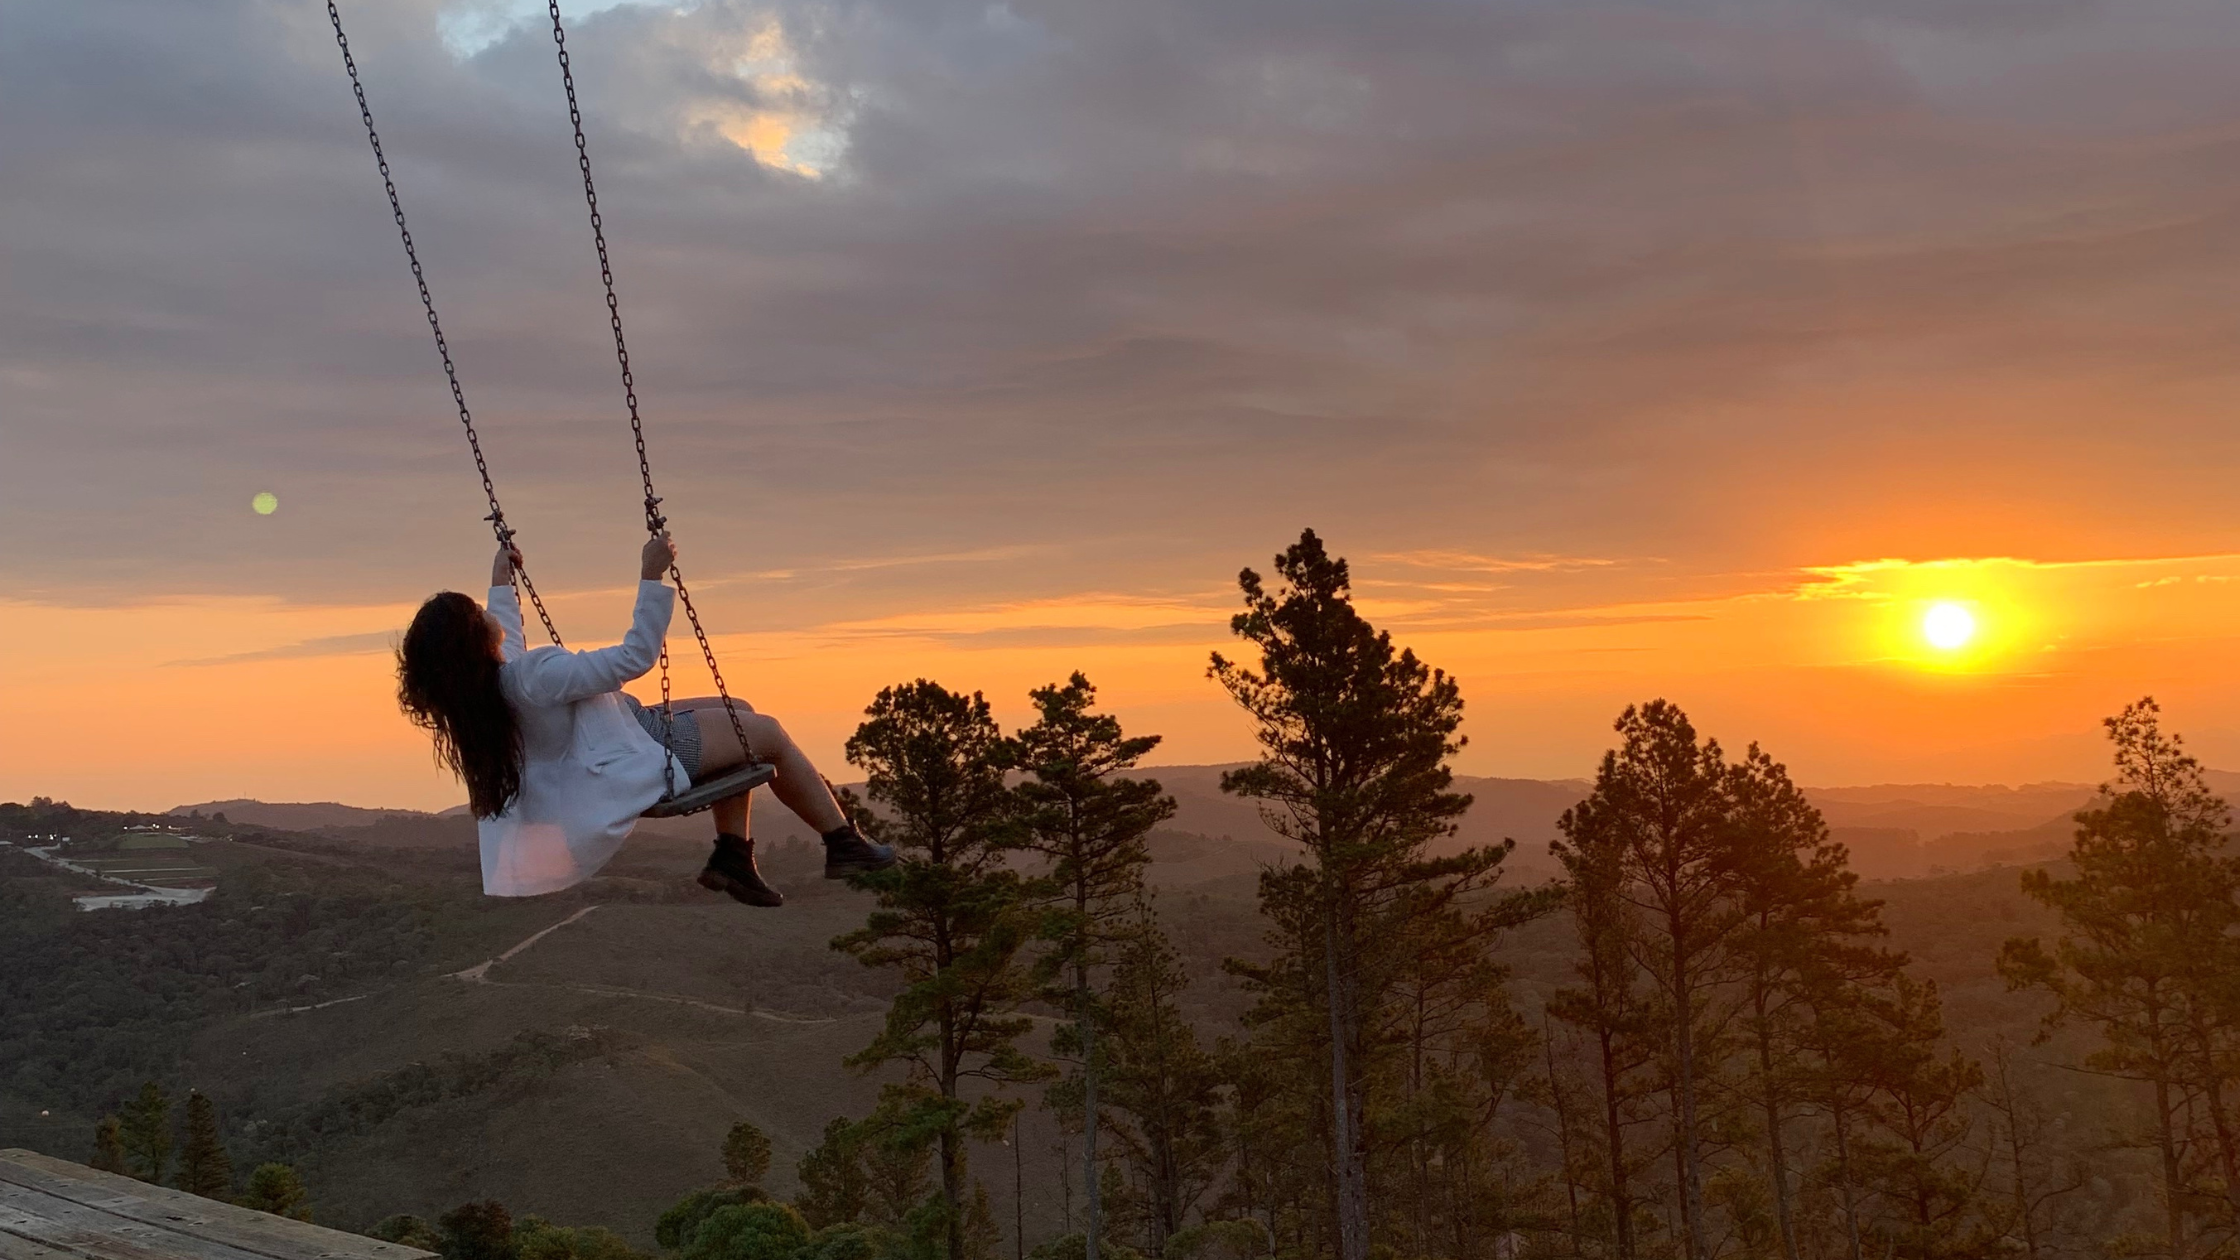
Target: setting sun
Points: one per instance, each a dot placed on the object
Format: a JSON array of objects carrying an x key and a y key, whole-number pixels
[{"x": 1948, "y": 626}]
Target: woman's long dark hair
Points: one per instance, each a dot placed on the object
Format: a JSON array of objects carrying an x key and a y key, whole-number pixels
[{"x": 447, "y": 683}]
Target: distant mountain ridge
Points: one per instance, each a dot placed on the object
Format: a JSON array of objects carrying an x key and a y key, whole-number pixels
[
  {"x": 294, "y": 815},
  {"x": 1894, "y": 830}
]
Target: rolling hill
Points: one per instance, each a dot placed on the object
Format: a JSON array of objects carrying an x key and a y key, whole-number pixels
[
  {"x": 580, "y": 1056},
  {"x": 1895, "y": 831}
]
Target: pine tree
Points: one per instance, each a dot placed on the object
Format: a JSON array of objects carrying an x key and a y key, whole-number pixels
[
  {"x": 1089, "y": 824},
  {"x": 1276, "y": 1174},
  {"x": 471, "y": 1231},
  {"x": 1611, "y": 1009},
  {"x": 1355, "y": 736},
  {"x": 1918, "y": 1153},
  {"x": 1164, "y": 1086},
  {"x": 1801, "y": 924},
  {"x": 897, "y": 1170},
  {"x": 146, "y": 1133},
  {"x": 108, "y": 1145},
  {"x": 951, "y": 919},
  {"x": 2147, "y": 946},
  {"x": 1840, "y": 1036},
  {"x": 1564, "y": 1094},
  {"x": 983, "y": 1238},
  {"x": 276, "y": 1188},
  {"x": 1659, "y": 813},
  {"x": 2034, "y": 1177},
  {"x": 746, "y": 1154},
  {"x": 835, "y": 1189},
  {"x": 204, "y": 1167}
]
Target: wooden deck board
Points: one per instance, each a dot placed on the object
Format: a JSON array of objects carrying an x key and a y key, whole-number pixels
[
  {"x": 14, "y": 1248},
  {"x": 55, "y": 1210},
  {"x": 91, "y": 1232}
]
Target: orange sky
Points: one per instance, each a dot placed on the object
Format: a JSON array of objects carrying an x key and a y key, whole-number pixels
[
  {"x": 200, "y": 699},
  {"x": 1626, "y": 350}
]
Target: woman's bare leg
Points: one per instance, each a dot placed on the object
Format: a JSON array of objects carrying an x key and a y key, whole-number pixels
[
  {"x": 731, "y": 814},
  {"x": 796, "y": 784}
]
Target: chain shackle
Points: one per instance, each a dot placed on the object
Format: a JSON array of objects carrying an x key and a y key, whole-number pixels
[{"x": 497, "y": 516}]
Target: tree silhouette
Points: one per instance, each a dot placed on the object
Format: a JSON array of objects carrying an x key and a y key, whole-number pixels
[
  {"x": 835, "y": 1189},
  {"x": 145, "y": 1133},
  {"x": 482, "y": 1230},
  {"x": 108, "y": 1145},
  {"x": 1089, "y": 824},
  {"x": 1800, "y": 924},
  {"x": 204, "y": 1167},
  {"x": 1165, "y": 1086},
  {"x": 2036, "y": 1176},
  {"x": 746, "y": 1154},
  {"x": 951, "y": 919},
  {"x": 1918, "y": 1153},
  {"x": 1354, "y": 739},
  {"x": 1657, "y": 820},
  {"x": 276, "y": 1188},
  {"x": 1610, "y": 1007},
  {"x": 2147, "y": 947}
]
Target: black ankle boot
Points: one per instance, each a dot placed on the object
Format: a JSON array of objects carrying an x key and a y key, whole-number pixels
[
  {"x": 847, "y": 853},
  {"x": 731, "y": 870}
]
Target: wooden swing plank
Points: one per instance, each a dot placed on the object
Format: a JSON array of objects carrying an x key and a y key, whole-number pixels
[{"x": 702, "y": 796}]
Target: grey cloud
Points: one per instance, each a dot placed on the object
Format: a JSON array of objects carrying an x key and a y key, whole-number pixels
[
  {"x": 330, "y": 645},
  {"x": 1148, "y": 285}
]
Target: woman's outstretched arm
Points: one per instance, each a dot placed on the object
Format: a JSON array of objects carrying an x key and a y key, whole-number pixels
[
  {"x": 505, "y": 602},
  {"x": 564, "y": 677}
]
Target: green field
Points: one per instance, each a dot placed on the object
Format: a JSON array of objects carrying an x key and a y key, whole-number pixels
[{"x": 164, "y": 868}]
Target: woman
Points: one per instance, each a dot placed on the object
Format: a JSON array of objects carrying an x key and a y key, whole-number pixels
[{"x": 559, "y": 763}]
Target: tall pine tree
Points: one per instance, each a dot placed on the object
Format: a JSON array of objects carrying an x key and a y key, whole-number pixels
[
  {"x": 1657, "y": 821},
  {"x": 951, "y": 919},
  {"x": 835, "y": 1189},
  {"x": 1800, "y": 924},
  {"x": 108, "y": 1145},
  {"x": 1355, "y": 735},
  {"x": 145, "y": 1131},
  {"x": 2146, "y": 952},
  {"x": 1088, "y": 821},
  {"x": 1918, "y": 1153},
  {"x": 1165, "y": 1088},
  {"x": 204, "y": 1167}
]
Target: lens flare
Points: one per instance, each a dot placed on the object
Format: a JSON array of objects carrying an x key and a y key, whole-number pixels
[
  {"x": 265, "y": 504},
  {"x": 1948, "y": 626}
]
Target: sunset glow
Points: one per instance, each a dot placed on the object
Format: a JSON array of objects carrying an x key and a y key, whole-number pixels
[
  {"x": 1547, "y": 653},
  {"x": 965, "y": 359},
  {"x": 1948, "y": 626}
]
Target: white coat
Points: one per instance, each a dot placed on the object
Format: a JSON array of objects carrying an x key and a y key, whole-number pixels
[{"x": 588, "y": 769}]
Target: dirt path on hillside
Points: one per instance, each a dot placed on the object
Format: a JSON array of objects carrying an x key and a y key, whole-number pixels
[
  {"x": 324, "y": 859},
  {"x": 480, "y": 974},
  {"x": 315, "y": 1006}
]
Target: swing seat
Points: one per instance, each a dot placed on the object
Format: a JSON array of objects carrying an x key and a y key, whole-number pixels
[{"x": 702, "y": 796}]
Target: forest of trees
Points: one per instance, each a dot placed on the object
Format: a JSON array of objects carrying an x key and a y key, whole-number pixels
[
  {"x": 1737, "y": 1062},
  {"x": 1740, "y": 1065}
]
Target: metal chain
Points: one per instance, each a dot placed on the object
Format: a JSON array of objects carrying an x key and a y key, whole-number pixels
[
  {"x": 497, "y": 517},
  {"x": 655, "y": 521}
]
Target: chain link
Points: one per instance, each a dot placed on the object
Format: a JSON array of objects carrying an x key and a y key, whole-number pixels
[
  {"x": 497, "y": 517},
  {"x": 655, "y": 521}
]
